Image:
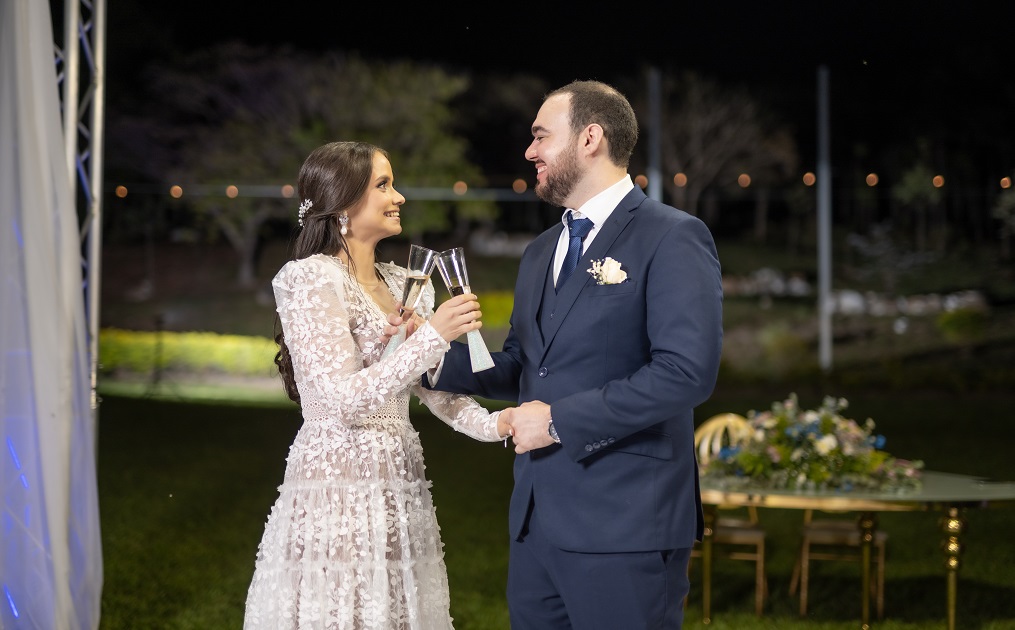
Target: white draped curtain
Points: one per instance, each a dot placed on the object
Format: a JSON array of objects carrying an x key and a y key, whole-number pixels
[{"x": 50, "y": 545}]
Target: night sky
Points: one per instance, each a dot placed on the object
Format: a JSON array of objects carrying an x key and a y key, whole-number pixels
[
  {"x": 898, "y": 67},
  {"x": 737, "y": 40}
]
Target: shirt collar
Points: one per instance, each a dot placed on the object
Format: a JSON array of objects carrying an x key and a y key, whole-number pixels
[{"x": 601, "y": 206}]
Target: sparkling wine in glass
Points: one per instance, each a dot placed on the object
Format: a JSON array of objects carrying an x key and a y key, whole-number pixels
[
  {"x": 417, "y": 273},
  {"x": 456, "y": 277},
  {"x": 412, "y": 292}
]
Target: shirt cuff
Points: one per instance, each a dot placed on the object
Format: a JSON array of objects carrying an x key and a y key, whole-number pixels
[{"x": 434, "y": 373}]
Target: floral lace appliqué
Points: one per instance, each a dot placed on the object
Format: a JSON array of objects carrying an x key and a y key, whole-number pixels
[{"x": 352, "y": 541}]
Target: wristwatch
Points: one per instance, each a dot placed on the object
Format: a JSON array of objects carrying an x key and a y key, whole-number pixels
[{"x": 553, "y": 432}]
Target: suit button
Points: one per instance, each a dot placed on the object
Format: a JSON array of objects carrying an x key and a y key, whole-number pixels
[
  {"x": 588, "y": 447},
  {"x": 611, "y": 440},
  {"x": 596, "y": 445},
  {"x": 543, "y": 372}
]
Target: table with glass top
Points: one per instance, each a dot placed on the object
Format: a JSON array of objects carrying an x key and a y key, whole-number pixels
[{"x": 949, "y": 493}]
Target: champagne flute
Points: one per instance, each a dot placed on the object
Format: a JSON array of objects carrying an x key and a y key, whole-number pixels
[
  {"x": 456, "y": 277},
  {"x": 417, "y": 274}
]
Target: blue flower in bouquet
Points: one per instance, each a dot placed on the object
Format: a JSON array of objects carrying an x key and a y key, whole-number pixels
[{"x": 789, "y": 447}]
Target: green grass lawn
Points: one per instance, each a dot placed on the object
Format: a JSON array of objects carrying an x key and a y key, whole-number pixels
[
  {"x": 185, "y": 489},
  {"x": 188, "y": 472}
]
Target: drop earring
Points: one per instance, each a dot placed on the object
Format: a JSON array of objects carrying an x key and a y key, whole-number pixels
[{"x": 343, "y": 220}]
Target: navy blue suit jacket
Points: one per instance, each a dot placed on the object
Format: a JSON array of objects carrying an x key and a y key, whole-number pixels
[{"x": 623, "y": 366}]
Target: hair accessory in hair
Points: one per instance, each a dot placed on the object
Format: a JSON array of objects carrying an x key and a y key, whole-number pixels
[
  {"x": 343, "y": 220},
  {"x": 306, "y": 205}
]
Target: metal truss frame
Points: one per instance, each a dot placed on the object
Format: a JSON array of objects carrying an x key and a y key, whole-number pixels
[{"x": 81, "y": 78}]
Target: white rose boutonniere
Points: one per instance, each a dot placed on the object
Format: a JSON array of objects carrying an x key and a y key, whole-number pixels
[{"x": 607, "y": 271}]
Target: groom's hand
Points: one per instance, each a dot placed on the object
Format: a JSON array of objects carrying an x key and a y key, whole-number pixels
[{"x": 529, "y": 425}]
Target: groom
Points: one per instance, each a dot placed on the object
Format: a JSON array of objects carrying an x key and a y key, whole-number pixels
[{"x": 607, "y": 368}]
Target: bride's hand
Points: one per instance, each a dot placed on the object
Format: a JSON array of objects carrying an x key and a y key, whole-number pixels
[
  {"x": 409, "y": 318},
  {"x": 457, "y": 316}
]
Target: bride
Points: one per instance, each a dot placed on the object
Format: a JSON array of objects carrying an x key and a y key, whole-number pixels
[{"x": 352, "y": 541}]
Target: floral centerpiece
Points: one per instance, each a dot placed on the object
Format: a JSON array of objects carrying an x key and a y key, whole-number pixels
[{"x": 788, "y": 447}]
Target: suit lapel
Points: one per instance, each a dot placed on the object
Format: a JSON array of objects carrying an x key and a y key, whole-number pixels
[{"x": 604, "y": 240}]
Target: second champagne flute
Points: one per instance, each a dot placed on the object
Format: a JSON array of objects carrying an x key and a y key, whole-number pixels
[{"x": 452, "y": 266}]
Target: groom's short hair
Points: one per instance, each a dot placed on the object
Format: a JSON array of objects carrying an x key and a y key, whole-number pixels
[{"x": 595, "y": 102}]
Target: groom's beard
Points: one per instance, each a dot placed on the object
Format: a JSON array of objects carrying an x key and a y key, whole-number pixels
[{"x": 561, "y": 179}]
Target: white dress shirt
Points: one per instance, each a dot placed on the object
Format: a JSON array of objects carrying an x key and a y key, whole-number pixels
[{"x": 598, "y": 209}]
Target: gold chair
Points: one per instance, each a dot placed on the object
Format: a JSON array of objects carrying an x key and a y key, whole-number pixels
[
  {"x": 733, "y": 537},
  {"x": 837, "y": 539}
]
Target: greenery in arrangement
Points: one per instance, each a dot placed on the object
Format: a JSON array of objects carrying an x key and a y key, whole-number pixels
[{"x": 789, "y": 447}]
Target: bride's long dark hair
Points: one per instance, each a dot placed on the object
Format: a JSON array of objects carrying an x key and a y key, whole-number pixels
[{"x": 334, "y": 177}]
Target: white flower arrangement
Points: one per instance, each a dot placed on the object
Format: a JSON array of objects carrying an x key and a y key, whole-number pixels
[{"x": 607, "y": 271}]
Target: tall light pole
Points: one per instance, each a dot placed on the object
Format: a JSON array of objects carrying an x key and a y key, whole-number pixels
[
  {"x": 655, "y": 131},
  {"x": 824, "y": 176}
]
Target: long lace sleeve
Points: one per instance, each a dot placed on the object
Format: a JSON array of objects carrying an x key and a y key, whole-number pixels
[
  {"x": 462, "y": 413},
  {"x": 327, "y": 364}
]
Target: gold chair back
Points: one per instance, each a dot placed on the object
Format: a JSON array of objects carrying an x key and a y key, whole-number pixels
[
  {"x": 724, "y": 429},
  {"x": 740, "y": 538}
]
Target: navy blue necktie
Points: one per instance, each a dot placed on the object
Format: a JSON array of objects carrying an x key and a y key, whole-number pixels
[{"x": 578, "y": 229}]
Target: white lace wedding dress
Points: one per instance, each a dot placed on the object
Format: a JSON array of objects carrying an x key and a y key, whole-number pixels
[{"x": 352, "y": 541}]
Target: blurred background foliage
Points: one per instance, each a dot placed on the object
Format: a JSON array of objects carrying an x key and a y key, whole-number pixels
[
  {"x": 133, "y": 353},
  {"x": 193, "y": 352},
  {"x": 246, "y": 116}
]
